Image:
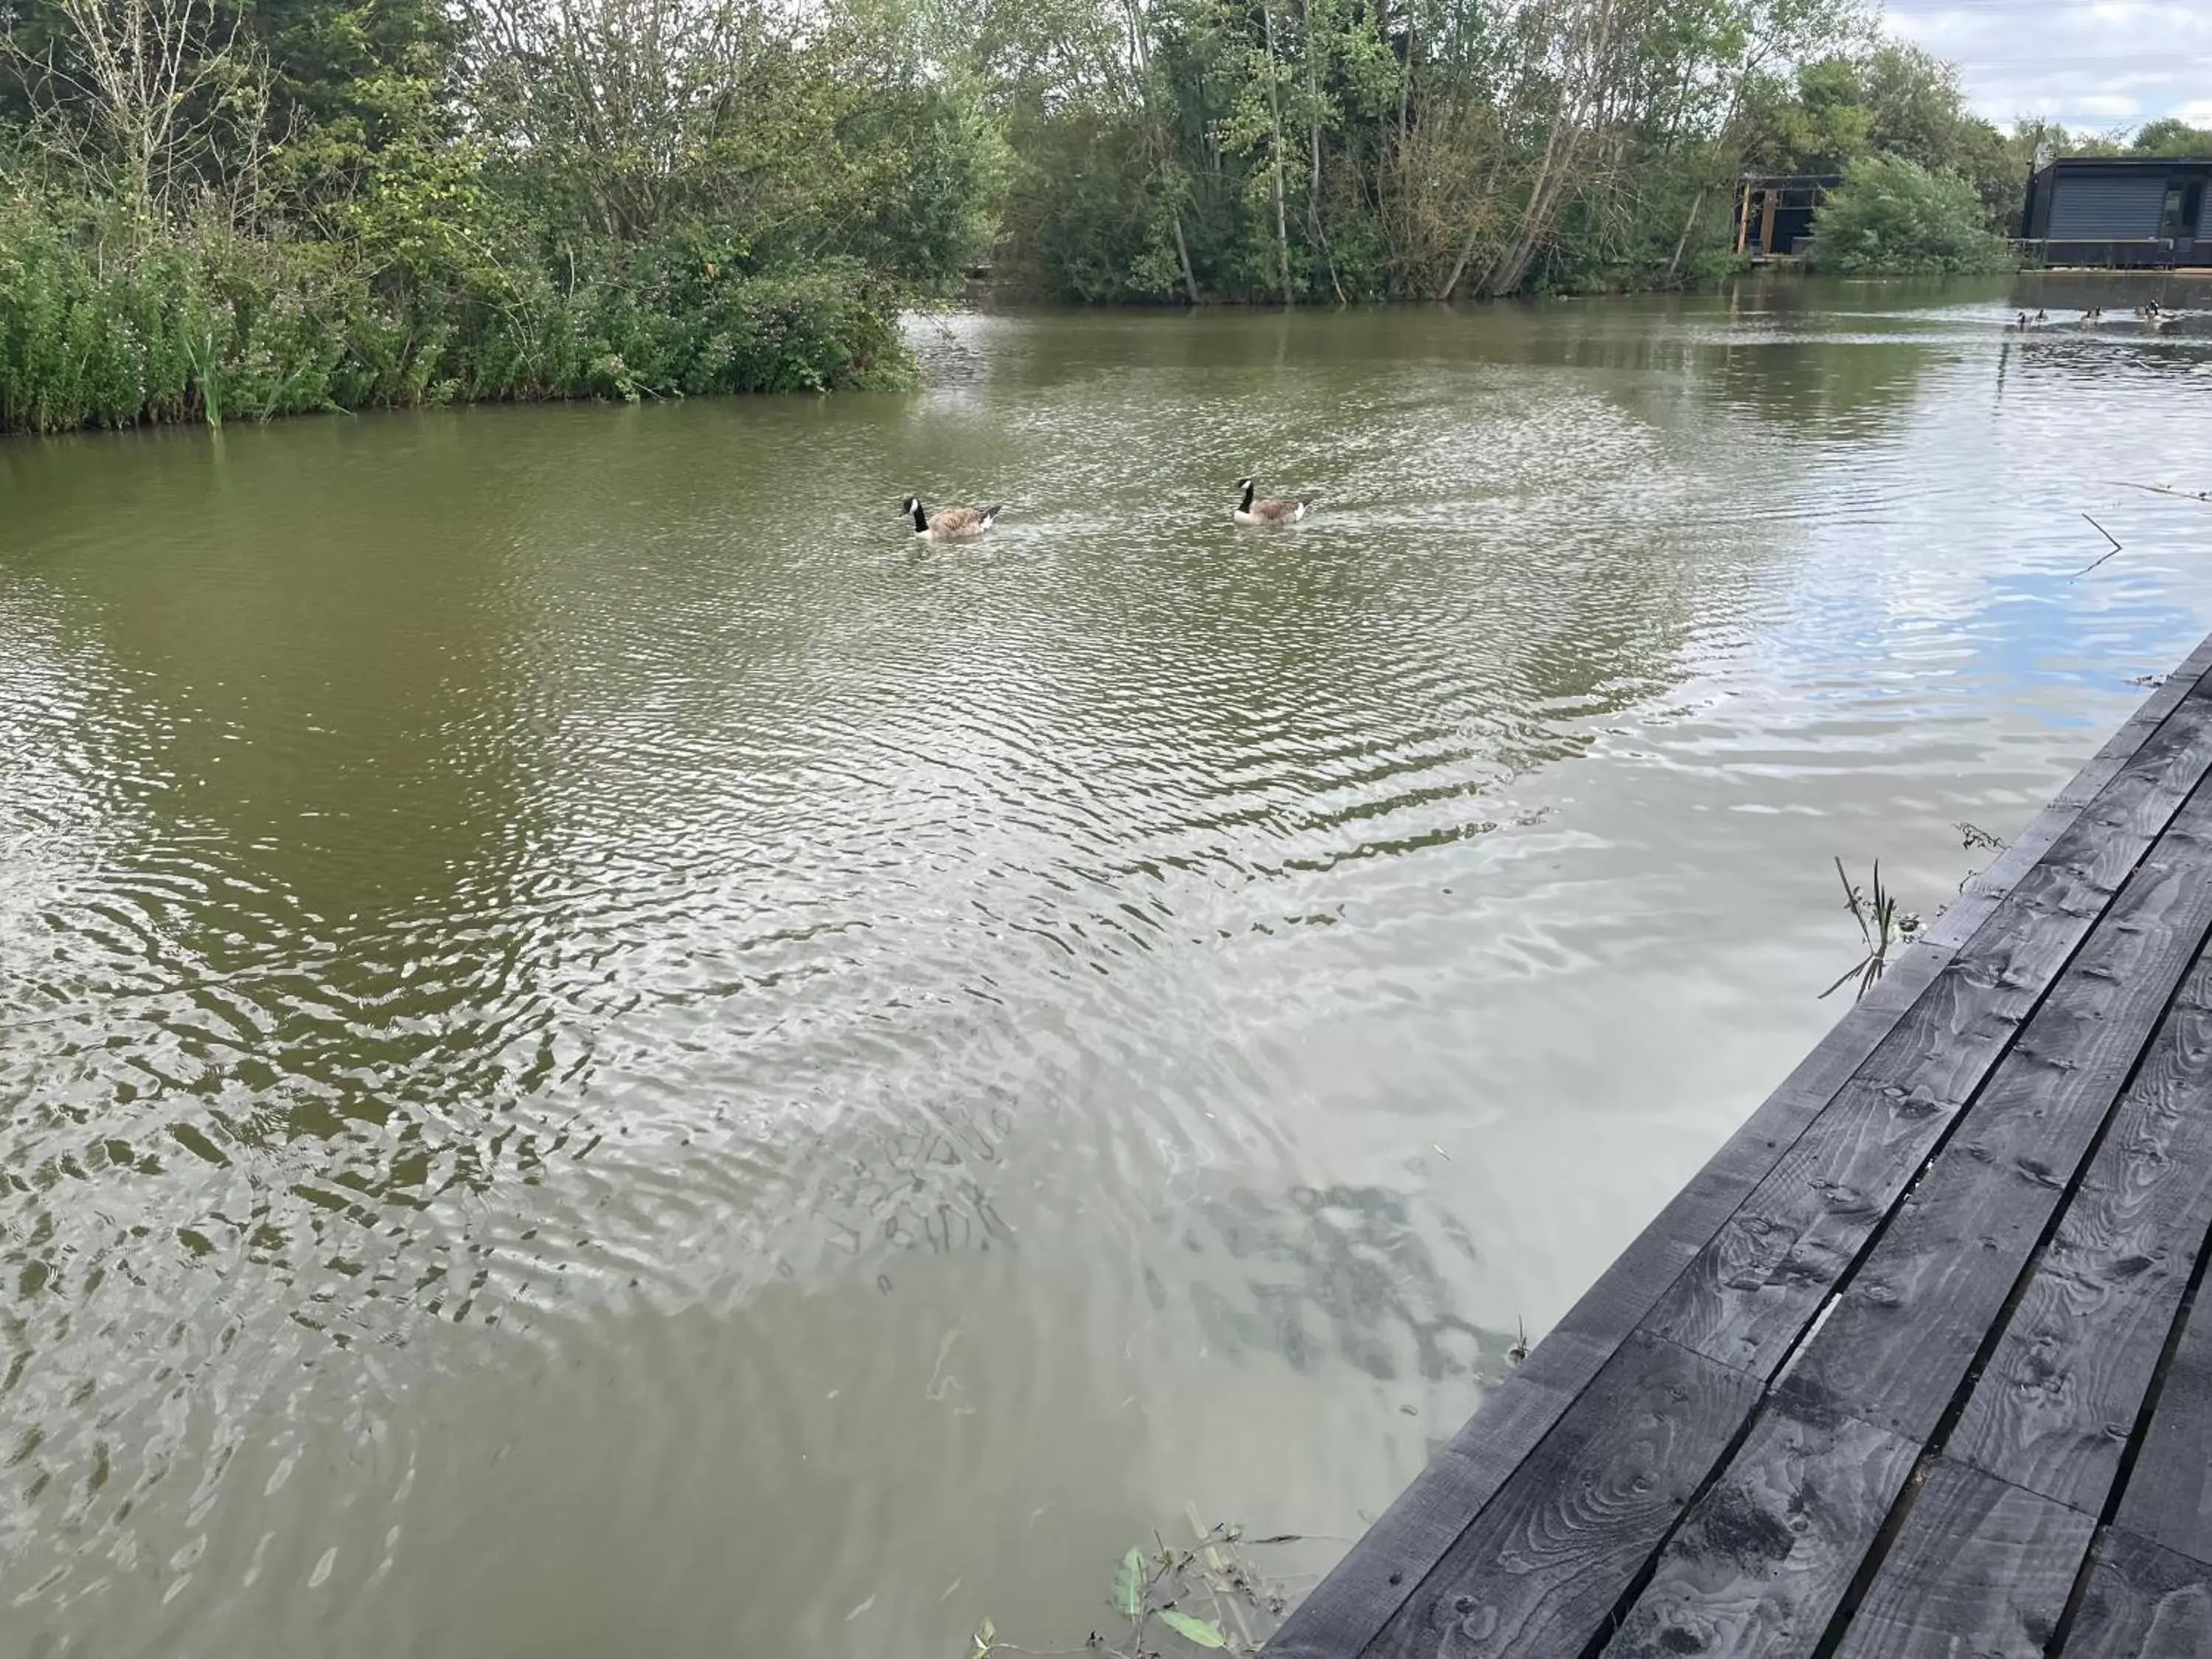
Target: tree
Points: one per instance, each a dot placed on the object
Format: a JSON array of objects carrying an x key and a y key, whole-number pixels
[
  {"x": 348, "y": 81},
  {"x": 1916, "y": 105},
  {"x": 1818, "y": 124},
  {"x": 782, "y": 141},
  {"x": 2171, "y": 136},
  {"x": 1893, "y": 100},
  {"x": 1892, "y": 215},
  {"x": 161, "y": 102}
]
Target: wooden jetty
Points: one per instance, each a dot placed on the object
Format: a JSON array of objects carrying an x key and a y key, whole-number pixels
[{"x": 1917, "y": 1365}]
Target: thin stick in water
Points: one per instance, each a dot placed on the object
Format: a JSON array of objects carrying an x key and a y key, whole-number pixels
[
  {"x": 2167, "y": 489},
  {"x": 2109, "y": 536}
]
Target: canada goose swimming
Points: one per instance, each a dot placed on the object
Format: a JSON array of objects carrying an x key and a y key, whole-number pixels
[
  {"x": 950, "y": 524},
  {"x": 1270, "y": 513},
  {"x": 2040, "y": 317},
  {"x": 2022, "y": 323}
]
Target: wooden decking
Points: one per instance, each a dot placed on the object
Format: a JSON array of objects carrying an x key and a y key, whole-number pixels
[{"x": 1917, "y": 1365}]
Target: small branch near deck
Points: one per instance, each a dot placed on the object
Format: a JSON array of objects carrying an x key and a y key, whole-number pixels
[
  {"x": 1974, "y": 838},
  {"x": 2093, "y": 563}
]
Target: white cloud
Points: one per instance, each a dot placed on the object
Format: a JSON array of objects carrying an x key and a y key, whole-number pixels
[
  {"x": 2109, "y": 105},
  {"x": 2092, "y": 64}
]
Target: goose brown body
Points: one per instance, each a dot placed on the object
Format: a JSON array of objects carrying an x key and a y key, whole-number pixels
[
  {"x": 1273, "y": 512},
  {"x": 950, "y": 524}
]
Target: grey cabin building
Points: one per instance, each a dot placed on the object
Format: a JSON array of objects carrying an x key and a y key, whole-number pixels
[{"x": 2120, "y": 210}]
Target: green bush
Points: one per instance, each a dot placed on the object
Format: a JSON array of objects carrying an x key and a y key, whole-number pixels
[
  {"x": 103, "y": 325},
  {"x": 1893, "y": 216}
]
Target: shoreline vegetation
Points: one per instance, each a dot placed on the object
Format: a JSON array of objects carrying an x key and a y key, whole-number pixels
[{"x": 216, "y": 210}]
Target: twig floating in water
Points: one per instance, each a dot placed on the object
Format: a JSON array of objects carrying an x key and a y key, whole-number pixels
[
  {"x": 2093, "y": 563},
  {"x": 2204, "y": 495}
]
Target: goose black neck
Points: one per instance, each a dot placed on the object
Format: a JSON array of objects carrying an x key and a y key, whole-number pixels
[
  {"x": 921, "y": 517},
  {"x": 1245, "y": 505}
]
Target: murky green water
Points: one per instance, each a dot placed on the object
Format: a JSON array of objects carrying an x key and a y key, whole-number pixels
[{"x": 598, "y": 1055}]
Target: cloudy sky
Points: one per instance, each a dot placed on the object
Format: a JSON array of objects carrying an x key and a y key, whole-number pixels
[{"x": 2093, "y": 63}]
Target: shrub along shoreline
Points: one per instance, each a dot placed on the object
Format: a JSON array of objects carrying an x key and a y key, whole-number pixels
[
  {"x": 215, "y": 209},
  {"x": 197, "y": 324}
]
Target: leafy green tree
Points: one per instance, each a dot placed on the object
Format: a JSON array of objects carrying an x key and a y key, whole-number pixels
[
  {"x": 1893, "y": 216},
  {"x": 1818, "y": 124},
  {"x": 348, "y": 81},
  {"x": 2171, "y": 136},
  {"x": 1894, "y": 99},
  {"x": 1915, "y": 102}
]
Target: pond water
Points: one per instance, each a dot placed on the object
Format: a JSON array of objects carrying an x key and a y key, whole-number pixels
[{"x": 600, "y": 1054}]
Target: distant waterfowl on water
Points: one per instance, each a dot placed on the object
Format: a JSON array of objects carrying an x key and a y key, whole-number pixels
[
  {"x": 950, "y": 524},
  {"x": 1272, "y": 512}
]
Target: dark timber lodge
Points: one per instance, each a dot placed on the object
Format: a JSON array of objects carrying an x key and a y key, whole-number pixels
[
  {"x": 1919, "y": 1366},
  {"x": 1774, "y": 211},
  {"x": 2114, "y": 210},
  {"x": 2103, "y": 210}
]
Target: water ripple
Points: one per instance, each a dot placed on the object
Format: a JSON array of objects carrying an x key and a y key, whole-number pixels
[{"x": 596, "y": 1050}]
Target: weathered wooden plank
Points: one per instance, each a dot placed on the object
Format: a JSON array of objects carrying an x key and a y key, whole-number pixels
[
  {"x": 1376, "y": 1578},
  {"x": 1979, "y": 1568},
  {"x": 1958, "y": 923},
  {"x": 1758, "y": 1565},
  {"x": 1909, "y": 1321},
  {"x": 2168, "y": 1498},
  {"x": 1751, "y": 1292},
  {"x": 1626, "y": 1291},
  {"x": 2143, "y": 1602},
  {"x": 1632, "y": 1286},
  {"x": 1544, "y": 1566},
  {"x": 1953, "y": 927},
  {"x": 1409, "y": 1539},
  {"x": 2057, "y": 1404}
]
